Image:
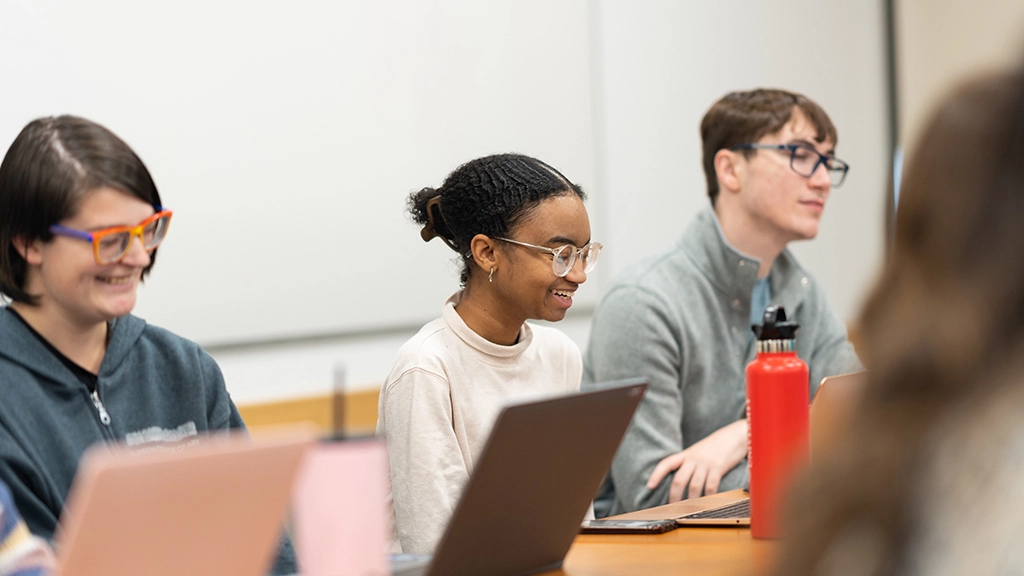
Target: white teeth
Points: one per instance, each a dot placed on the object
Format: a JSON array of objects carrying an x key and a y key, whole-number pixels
[
  {"x": 125, "y": 280},
  {"x": 563, "y": 293}
]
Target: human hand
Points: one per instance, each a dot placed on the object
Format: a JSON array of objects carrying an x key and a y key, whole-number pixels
[{"x": 701, "y": 466}]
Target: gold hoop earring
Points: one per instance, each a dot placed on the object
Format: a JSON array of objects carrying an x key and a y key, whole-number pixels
[{"x": 490, "y": 277}]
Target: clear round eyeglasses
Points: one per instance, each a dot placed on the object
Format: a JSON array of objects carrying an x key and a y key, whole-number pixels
[
  {"x": 564, "y": 257},
  {"x": 804, "y": 160},
  {"x": 111, "y": 245}
]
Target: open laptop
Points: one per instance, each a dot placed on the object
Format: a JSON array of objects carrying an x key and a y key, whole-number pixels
[
  {"x": 533, "y": 483},
  {"x": 214, "y": 507},
  {"x": 831, "y": 410}
]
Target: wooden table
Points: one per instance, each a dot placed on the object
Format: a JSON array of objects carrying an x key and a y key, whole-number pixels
[{"x": 692, "y": 551}]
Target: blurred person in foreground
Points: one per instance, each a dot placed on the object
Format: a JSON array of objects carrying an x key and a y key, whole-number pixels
[
  {"x": 21, "y": 553},
  {"x": 924, "y": 482}
]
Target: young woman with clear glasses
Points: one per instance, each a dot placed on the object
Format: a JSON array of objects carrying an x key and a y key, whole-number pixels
[
  {"x": 523, "y": 236},
  {"x": 80, "y": 223}
]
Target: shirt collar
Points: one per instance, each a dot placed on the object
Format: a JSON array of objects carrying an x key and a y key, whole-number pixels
[{"x": 733, "y": 272}]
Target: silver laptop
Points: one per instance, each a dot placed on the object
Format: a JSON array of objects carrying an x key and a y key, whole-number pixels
[
  {"x": 830, "y": 414},
  {"x": 533, "y": 484}
]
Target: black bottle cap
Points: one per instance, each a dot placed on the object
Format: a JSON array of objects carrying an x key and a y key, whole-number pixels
[{"x": 774, "y": 325}]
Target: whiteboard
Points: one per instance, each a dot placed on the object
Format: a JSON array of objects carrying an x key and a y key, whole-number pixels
[{"x": 286, "y": 137}]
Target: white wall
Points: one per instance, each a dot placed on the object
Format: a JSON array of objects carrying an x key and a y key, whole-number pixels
[{"x": 610, "y": 92}]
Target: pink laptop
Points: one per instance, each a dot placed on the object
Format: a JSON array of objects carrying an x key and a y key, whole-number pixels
[{"x": 216, "y": 507}]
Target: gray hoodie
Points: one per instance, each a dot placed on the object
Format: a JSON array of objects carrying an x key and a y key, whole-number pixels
[{"x": 152, "y": 386}]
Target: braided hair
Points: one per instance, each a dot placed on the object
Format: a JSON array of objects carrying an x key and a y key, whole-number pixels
[{"x": 489, "y": 196}]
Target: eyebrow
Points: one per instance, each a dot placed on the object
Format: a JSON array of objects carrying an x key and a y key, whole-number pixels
[
  {"x": 564, "y": 240},
  {"x": 102, "y": 228},
  {"x": 829, "y": 152}
]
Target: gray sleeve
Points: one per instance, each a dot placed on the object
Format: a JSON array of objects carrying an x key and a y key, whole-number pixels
[
  {"x": 26, "y": 487},
  {"x": 832, "y": 352},
  {"x": 633, "y": 334},
  {"x": 221, "y": 411}
]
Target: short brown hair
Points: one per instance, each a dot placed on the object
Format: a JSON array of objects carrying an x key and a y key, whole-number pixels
[
  {"x": 746, "y": 117},
  {"x": 51, "y": 165}
]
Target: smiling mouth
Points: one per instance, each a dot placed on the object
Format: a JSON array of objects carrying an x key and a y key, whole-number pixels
[
  {"x": 118, "y": 280},
  {"x": 564, "y": 293}
]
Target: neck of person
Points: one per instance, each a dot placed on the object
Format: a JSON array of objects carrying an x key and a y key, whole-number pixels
[
  {"x": 84, "y": 344},
  {"x": 750, "y": 236},
  {"x": 483, "y": 311}
]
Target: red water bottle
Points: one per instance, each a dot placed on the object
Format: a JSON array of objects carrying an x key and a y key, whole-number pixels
[{"x": 778, "y": 441}]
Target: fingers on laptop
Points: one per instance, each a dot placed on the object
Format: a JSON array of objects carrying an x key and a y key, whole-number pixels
[
  {"x": 667, "y": 465},
  {"x": 694, "y": 475}
]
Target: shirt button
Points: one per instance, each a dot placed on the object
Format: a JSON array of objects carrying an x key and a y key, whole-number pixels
[
  {"x": 742, "y": 263},
  {"x": 804, "y": 281},
  {"x": 733, "y": 329},
  {"x": 736, "y": 303}
]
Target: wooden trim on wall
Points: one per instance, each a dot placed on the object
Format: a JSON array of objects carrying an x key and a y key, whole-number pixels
[{"x": 357, "y": 411}]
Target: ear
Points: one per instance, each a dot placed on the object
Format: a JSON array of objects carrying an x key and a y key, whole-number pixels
[
  {"x": 483, "y": 249},
  {"x": 28, "y": 250},
  {"x": 729, "y": 170}
]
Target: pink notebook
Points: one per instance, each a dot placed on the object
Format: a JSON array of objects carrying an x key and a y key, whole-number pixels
[{"x": 340, "y": 512}]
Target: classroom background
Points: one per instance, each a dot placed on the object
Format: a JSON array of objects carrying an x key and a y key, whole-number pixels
[{"x": 286, "y": 138}]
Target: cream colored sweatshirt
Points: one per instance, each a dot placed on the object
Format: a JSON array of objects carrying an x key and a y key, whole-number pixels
[{"x": 438, "y": 404}]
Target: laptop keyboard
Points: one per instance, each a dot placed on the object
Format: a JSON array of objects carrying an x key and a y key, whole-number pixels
[{"x": 739, "y": 509}]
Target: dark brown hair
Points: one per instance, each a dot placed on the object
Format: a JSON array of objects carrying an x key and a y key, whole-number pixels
[
  {"x": 945, "y": 317},
  {"x": 746, "y": 117},
  {"x": 50, "y": 166}
]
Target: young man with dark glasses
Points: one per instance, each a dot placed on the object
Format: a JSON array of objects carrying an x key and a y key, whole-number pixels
[{"x": 683, "y": 318}]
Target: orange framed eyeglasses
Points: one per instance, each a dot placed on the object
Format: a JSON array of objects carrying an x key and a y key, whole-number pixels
[{"x": 111, "y": 245}]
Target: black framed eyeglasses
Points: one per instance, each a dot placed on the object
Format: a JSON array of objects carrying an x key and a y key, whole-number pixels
[{"x": 804, "y": 160}]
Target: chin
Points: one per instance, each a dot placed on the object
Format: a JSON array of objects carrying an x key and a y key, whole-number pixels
[
  {"x": 118, "y": 309},
  {"x": 808, "y": 231},
  {"x": 553, "y": 315}
]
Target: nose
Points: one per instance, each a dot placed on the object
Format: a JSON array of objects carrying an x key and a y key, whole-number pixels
[
  {"x": 820, "y": 179},
  {"x": 137, "y": 256},
  {"x": 577, "y": 274}
]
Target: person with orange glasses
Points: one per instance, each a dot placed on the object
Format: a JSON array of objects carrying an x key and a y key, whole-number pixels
[{"x": 80, "y": 224}]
